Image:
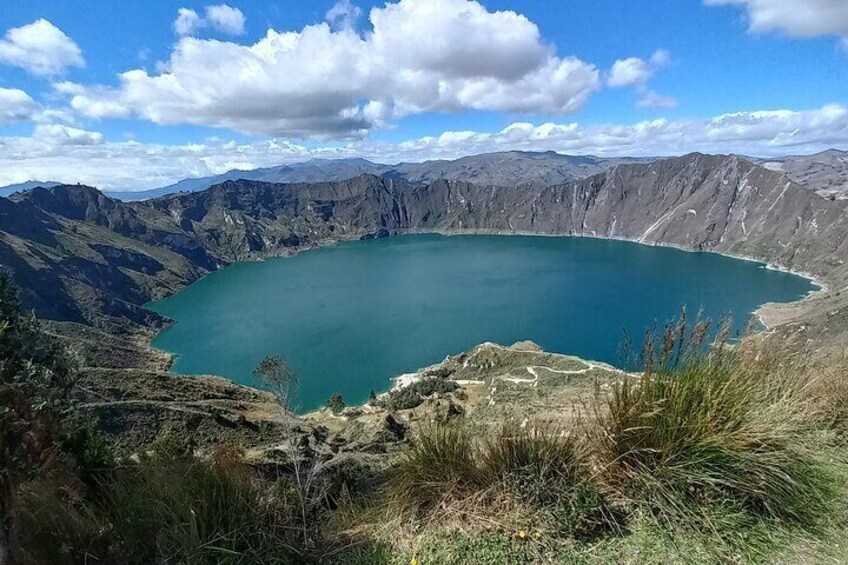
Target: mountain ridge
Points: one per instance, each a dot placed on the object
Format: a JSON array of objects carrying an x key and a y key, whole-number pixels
[
  {"x": 84, "y": 257},
  {"x": 499, "y": 168}
]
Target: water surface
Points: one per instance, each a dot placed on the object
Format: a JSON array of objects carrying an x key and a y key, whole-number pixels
[{"x": 351, "y": 316}]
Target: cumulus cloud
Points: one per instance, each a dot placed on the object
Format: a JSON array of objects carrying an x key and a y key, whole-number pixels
[
  {"x": 634, "y": 71},
  {"x": 796, "y": 18},
  {"x": 188, "y": 21},
  {"x": 40, "y": 48},
  {"x": 58, "y": 134},
  {"x": 222, "y": 18},
  {"x": 15, "y": 106},
  {"x": 73, "y": 155},
  {"x": 330, "y": 81}
]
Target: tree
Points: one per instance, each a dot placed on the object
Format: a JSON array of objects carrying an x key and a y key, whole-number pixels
[
  {"x": 282, "y": 380},
  {"x": 35, "y": 379},
  {"x": 336, "y": 403}
]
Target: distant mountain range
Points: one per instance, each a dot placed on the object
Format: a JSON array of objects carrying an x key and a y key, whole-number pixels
[
  {"x": 825, "y": 172},
  {"x": 508, "y": 168}
]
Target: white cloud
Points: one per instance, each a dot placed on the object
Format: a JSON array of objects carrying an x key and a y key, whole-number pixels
[
  {"x": 323, "y": 81},
  {"x": 40, "y": 48},
  {"x": 187, "y": 22},
  {"x": 225, "y": 19},
  {"x": 15, "y": 106},
  {"x": 650, "y": 99},
  {"x": 57, "y": 134},
  {"x": 222, "y": 18},
  {"x": 73, "y": 155},
  {"x": 796, "y": 18},
  {"x": 634, "y": 71},
  {"x": 629, "y": 72},
  {"x": 343, "y": 15}
]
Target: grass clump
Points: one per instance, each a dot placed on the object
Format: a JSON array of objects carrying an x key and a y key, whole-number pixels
[
  {"x": 516, "y": 474},
  {"x": 180, "y": 511},
  {"x": 703, "y": 435},
  {"x": 438, "y": 469}
]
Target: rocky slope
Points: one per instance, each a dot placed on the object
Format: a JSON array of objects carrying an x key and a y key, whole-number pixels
[{"x": 825, "y": 172}]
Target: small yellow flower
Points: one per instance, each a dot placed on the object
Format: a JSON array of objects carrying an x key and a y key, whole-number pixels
[
  {"x": 537, "y": 535},
  {"x": 522, "y": 534},
  {"x": 414, "y": 561}
]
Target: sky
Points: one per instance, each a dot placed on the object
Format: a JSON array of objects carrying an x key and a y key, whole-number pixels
[{"x": 136, "y": 95}]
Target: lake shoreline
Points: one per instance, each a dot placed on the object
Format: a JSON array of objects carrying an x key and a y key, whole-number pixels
[{"x": 766, "y": 308}]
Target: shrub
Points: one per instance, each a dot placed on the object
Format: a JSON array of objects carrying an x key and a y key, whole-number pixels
[
  {"x": 411, "y": 396},
  {"x": 172, "y": 446},
  {"x": 83, "y": 439},
  {"x": 336, "y": 403}
]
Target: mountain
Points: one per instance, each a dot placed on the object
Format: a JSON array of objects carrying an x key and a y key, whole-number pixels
[
  {"x": 10, "y": 189},
  {"x": 825, "y": 172},
  {"x": 83, "y": 257},
  {"x": 508, "y": 168},
  {"x": 314, "y": 170}
]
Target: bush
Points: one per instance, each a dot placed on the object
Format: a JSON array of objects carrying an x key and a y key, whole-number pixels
[
  {"x": 83, "y": 439},
  {"x": 172, "y": 446},
  {"x": 336, "y": 403},
  {"x": 411, "y": 396}
]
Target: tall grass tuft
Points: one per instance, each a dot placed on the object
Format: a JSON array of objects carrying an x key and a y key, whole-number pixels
[
  {"x": 439, "y": 468},
  {"x": 182, "y": 511},
  {"x": 702, "y": 431},
  {"x": 534, "y": 471}
]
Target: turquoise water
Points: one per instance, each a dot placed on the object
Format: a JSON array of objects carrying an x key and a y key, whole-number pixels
[{"x": 351, "y": 316}]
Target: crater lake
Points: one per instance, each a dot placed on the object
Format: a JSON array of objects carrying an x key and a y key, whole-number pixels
[{"x": 349, "y": 317}]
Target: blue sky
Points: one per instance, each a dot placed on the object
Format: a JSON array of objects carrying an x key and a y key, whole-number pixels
[{"x": 582, "y": 76}]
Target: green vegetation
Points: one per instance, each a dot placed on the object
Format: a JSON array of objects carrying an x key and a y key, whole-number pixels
[
  {"x": 716, "y": 431},
  {"x": 35, "y": 380},
  {"x": 336, "y": 403},
  {"x": 413, "y": 395},
  {"x": 182, "y": 511}
]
